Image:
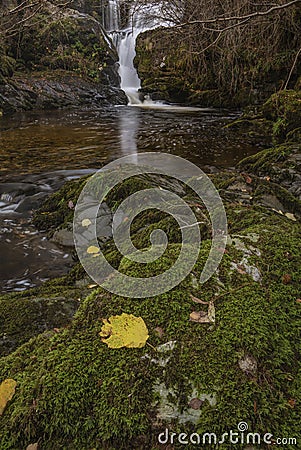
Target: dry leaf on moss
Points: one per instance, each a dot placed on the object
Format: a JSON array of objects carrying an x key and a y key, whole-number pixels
[
  {"x": 125, "y": 330},
  {"x": 198, "y": 300},
  {"x": 211, "y": 312},
  {"x": 199, "y": 317},
  {"x": 202, "y": 316},
  {"x": 93, "y": 250},
  {"x": 7, "y": 391}
]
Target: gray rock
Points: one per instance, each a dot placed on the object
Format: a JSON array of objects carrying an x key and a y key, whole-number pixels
[
  {"x": 31, "y": 202},
  {"x": 63, "y": 238}
]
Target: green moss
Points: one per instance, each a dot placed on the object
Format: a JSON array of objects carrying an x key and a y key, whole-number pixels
[
  {"x": 58, "y": 209},
  {"x": 284, "y": 108},
  {"x": 262, "y": 162}
]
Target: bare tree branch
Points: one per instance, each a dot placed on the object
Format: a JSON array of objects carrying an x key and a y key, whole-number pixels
[{"x": 237, "y": 18}]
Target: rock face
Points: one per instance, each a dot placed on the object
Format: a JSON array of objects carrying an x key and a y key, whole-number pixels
[{"x": 64, "y": 59}]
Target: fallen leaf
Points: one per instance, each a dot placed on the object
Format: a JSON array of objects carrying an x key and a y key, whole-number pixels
[
  {"x": 125, "y": 330},
  {"x": 247, "y": 178},
  {"x": 91, "y": 286},
  {"x": 211, "y": 312},
  {"x": 32, "y": 446},
  {"x": 197, "y": 300},
  {"x": 159, "y": 332},
  {"x": 291, "y": 217},
  {"x": 7, "y": 391},
  {"x": 86, "y": 222},
  {"x": 286, "y": 279},
  {"x": 92, "y": 250},
  {"x": 70, "y": 204},
  {"x": 292, "y": 403},
  {"x": 199, "y": 317},
  {"x": 298, "y": 300},
  {"x": 240, "y": 269},
  {"x": 195, "y": 403}
]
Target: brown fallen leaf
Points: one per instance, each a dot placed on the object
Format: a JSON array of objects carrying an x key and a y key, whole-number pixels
[
  {"x": 199, "y": 317},
  {"x": 211, "y": 312},
  {"x": 7, "y": 391},
  {"x": 240, "y": 269},
  {"x": 247, "y": 178},
  {"x": 286, "y": 279},
  {"x": 298, "y": 300},
  {"x": 159, "y": 332},
  {"x": 292, "y": 403},
  {"x": 197, "y": 300},
  {"x": 195, "y": 403}
]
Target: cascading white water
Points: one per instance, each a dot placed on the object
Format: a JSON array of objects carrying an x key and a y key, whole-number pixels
[{"x": 140, "y": 19}]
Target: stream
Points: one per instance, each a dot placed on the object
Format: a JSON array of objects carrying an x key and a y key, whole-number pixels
[{"x": 39, "y": 152}]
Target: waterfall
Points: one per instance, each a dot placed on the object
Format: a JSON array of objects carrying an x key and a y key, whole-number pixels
[{"x": 140, "y": 18}]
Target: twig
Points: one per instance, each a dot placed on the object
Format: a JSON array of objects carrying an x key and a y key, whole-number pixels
[{"x": 292, "y": 69}]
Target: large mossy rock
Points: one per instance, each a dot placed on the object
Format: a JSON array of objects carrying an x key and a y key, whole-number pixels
[{"x": 75, "y": 392}]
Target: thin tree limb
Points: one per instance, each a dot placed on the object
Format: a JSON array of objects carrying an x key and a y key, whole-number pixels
[{"x": 237, "y": 18}]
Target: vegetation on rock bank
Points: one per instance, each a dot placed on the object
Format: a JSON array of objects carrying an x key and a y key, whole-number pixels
[{"x": 212, "y": 60}]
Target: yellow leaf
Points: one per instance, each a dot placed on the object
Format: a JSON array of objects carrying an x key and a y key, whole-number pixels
[
  {"x": 92, "y": 250},
  {"x": 86, "y": 222},
  {"x": 7, "y": 391},
  {"x": 125, "y": 330}
]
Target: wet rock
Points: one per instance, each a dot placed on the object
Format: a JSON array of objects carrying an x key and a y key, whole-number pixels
[
  {"x": 271, "y": 201},
  {"x": 248, "y": 365},
  {"x": 57, "y": 90},
  {"x": 63, "y": 238},
  {"x": 18, "y": 188},
  {"x": 31, "y": 202},
  {"x": 23, "y": 318}
]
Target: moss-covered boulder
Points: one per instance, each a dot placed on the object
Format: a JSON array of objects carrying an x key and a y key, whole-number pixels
[
  {"x": 75, "y": 392},
  {"x": 279, "y": 118}
]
